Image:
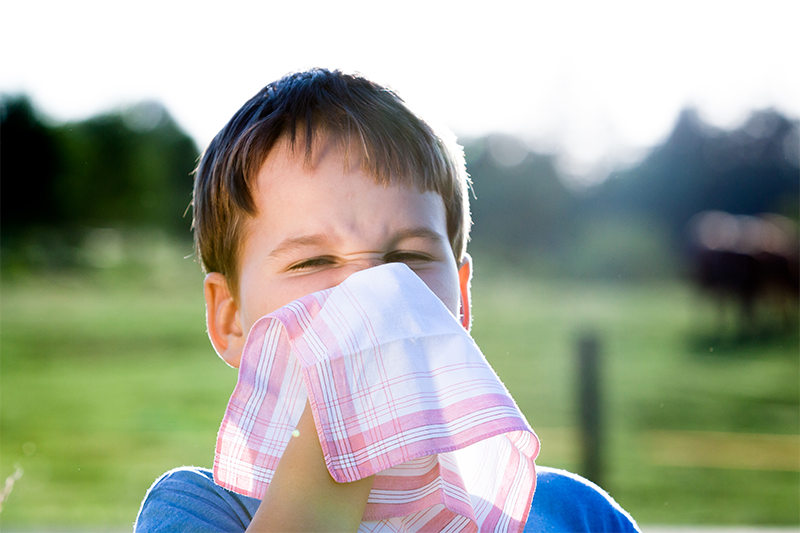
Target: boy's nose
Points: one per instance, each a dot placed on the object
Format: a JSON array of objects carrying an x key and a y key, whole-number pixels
[
  {"x": 367, "y": 262},
  {"x": 359, "y": 264}
]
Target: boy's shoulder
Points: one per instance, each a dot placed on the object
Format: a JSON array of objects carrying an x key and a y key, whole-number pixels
[
  {"x": 187, "y": 499},
  {"x": 564, "y": 501}
]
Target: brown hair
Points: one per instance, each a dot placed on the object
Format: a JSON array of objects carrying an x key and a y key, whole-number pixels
[{"x": 398, "y": 146}]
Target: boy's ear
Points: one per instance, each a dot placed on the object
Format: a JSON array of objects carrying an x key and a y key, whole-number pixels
[
  {"x": 464, "y": 280},
  {"x": 223, "y": 320}
]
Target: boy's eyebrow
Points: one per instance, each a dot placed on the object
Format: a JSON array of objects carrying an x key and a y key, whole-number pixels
[
  {"x": 420, "y": 232},
  {"x": 288, "y": 245},
  {"x": 319, "y": 239}
]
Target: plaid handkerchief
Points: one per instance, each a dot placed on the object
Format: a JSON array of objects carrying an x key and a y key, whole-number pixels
[{"x": 399, "y": 389}]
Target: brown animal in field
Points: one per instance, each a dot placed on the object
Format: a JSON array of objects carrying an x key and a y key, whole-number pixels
[{"x": 755, "y": 261}]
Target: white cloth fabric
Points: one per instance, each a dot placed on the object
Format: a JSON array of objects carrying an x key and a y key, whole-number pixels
[{"x": 398, "y": 389}]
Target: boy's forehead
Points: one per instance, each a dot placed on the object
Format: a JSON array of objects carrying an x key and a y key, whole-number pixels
[
  {"x": 288, "y": 177},
  {"x": 289, "y": 157},
  {"x": 287, "y": 153},
  {"x": 303, "y": 203}
]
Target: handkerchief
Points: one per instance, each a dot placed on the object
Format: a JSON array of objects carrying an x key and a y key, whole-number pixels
[{"x": 397, "y": 388}]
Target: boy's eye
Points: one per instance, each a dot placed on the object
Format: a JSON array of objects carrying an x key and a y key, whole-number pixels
[
  {"x": 407, "y": 257},
  {"x": 314, "y": 262}
]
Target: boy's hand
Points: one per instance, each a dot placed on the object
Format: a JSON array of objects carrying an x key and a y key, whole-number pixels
[{"x": 303, "y": 496}]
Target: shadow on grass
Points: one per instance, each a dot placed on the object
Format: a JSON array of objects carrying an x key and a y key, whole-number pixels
[{"x": 745, "y": 343}]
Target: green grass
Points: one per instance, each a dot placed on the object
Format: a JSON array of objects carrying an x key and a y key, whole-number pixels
[
  {"x": 106, "y": 383},
  {"x": 107, "y": 380},
  {"x": 658, "y": 374}
]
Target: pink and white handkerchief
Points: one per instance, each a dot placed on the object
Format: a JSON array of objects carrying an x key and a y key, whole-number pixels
[{"x": 399, "y": 389}]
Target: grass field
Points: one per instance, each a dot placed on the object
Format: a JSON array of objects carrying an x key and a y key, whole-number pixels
[{"x": 107, "y": 380}]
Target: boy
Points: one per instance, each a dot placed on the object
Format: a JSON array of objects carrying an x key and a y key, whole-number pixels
[{"x": 319, "y": 176}]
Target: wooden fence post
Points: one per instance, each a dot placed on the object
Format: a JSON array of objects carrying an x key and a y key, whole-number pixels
[{"x": 590, "y": 407}]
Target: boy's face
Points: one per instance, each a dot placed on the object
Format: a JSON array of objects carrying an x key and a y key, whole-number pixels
[{"x": 318, "y": 224}]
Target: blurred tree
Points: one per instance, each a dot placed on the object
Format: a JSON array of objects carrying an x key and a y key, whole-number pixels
[
  {"x": 751, "y": 170},
  {"x": 28, "y": 167},
  {"x": 520, "y": 202},
  {"x": 633, "y": 223},
  {"x": 124, "y": 169}
]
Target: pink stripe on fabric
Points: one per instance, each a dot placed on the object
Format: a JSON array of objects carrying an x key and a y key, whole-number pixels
[
  {"x": 396, "y": 387},
  {"x": 434, "y": 481}
]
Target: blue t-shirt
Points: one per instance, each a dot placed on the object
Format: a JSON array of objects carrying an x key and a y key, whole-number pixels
[{"x": 187, "y": 500}]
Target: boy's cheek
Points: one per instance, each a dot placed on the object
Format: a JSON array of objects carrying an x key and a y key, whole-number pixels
[
  {"x": 263, "y": 298},
  {"x": 445, "y": 286}
]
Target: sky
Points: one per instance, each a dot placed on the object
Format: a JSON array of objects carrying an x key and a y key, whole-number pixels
[{"x": 596, "y": 83}]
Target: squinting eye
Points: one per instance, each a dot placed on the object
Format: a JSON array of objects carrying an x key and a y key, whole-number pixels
[
  {"x": 407, "y": 257},
  {"x": 315, "y": 262}
]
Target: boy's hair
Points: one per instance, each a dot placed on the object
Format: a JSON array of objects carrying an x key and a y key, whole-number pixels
[{"x": 398, "y": 147}]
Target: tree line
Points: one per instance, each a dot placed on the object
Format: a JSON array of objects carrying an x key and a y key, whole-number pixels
[
  {"x": 133, "y": 168},
  {"x": 130, "y": 167},
  {"x": 126, "y": 170},
  {"x": 633, "y": 223}
]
